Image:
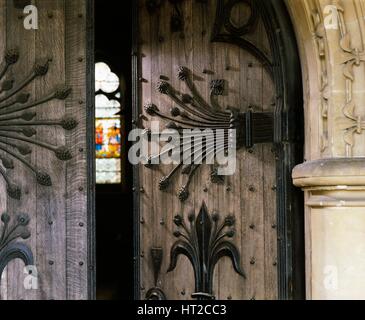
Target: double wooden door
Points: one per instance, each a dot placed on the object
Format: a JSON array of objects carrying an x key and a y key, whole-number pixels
[{"x": 217, "y": 64}]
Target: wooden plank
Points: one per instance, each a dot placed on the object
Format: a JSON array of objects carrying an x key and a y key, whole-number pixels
[
  {"x": 51, "y": 209},
  {"x": 3, "y": 202},
  {"x": 222, "y": 192},
  {"x": 76, "y": 170},
  {"x": 228, "y": 66},
  {"x": 162, "y": 68},
  {"x": 24, "y": 40},
  {"x": 146, "y": 176},
  {"x": 181, "y": 54},
  {"x": 269, "y": 200},
  {"x": 254, "y": 188}
]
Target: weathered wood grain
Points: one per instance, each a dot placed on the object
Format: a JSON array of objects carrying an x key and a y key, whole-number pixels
[
  {"x": 59, "y": 217},
  {"x": 3, "y": 201},
  {"x": 248, "y": 194},
  {"x": 51, "y": 206},
  {"x": 24, "y": 40},
  {"x": 76, "y": 169}
]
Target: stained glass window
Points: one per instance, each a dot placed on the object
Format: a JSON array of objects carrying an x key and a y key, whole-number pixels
[{"x": 108, "y": 137}]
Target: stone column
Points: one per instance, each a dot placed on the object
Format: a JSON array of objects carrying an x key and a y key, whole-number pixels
[
  {"x": 331, "y": 38},
  {"x": 335, "y": 219}
]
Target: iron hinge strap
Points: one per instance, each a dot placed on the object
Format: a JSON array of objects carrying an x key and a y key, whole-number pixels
[{"x": 257, "y": 127}]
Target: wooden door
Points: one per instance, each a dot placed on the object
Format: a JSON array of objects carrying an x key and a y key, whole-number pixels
[
  {"x": 46, "y": 157},
  {"x": 200, "y": 235}
]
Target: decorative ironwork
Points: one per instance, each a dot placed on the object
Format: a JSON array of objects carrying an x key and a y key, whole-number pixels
[
  {"x": 284, "y": 55},
  {"x": 18, "y": 124},
  {"x": 204, "y": 244},
  {"x": 226, "y": 31},
  {"x": 217, "y": 87},
  {"x": 156, "y": 293},
  {"x": 193, "y": 112},
  {"x": 10, "y": 249},
  {"x": 177, "y": 19}
]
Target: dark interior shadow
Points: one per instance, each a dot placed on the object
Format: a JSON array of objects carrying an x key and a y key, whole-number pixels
[{"x": 114, "y": 203}]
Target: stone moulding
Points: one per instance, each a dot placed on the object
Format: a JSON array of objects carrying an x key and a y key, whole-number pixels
[{"x": 338, "y": 172}]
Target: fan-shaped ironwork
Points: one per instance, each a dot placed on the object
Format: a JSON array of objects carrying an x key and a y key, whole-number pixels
[
  {"x": 18, "y": 122},
  {"x": 193, "y": 112}
]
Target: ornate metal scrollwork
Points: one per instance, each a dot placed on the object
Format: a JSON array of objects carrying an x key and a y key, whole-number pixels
[
  {"x": 18, "y": 124},
  {"x": 156, "y": 293},
  {"x": 204, "y": 244},
  {"x": 225, "y": 30},
  {"x": 10, "y": 249},
  {"x": 193, "y": 112}
]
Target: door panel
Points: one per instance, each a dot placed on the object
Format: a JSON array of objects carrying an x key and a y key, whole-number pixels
[
  {"x": 193, "y": 35},
  {"x": 50, "y": 178}
]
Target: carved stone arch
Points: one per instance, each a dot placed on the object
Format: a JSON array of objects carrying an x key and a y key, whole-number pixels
[
  {"x": 308, "y": 25},
  {"x": 331, "y": 42}
]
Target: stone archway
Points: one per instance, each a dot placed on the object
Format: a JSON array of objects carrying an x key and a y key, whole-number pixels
[{"x": 331, "y": 40}]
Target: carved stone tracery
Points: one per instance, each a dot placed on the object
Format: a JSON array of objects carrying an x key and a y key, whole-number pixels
[
  {"x": 333, "y": 178},
  {"x": 320, "y": 37},
  {"x": 351, "y": 57}
]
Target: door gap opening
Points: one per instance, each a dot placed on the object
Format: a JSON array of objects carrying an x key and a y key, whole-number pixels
[{"x": 114, "y": 199}]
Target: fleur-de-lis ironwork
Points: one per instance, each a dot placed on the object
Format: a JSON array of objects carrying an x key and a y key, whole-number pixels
[
  {"x": 11, "y": 249},
  {"x": 18, "y": 121},
  {"x": 204, "y": 244}
]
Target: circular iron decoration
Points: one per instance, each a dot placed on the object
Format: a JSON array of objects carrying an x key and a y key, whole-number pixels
[{"x": 247, "y": 26}]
